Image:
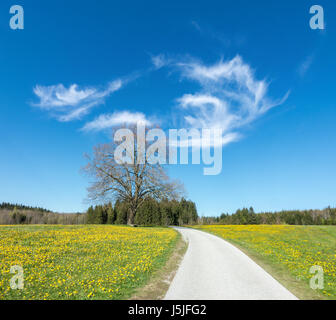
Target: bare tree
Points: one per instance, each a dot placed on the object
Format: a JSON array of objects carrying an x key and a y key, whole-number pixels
[{"x": 131, "y": 175}]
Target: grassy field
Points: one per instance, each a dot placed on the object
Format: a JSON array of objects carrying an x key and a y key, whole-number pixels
[
  {"x": 288, "y": 253},
  {"x": 81, "y": 262}
]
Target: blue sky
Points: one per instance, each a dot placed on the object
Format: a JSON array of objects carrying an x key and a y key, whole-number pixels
[{"x": 78, "y": 66}]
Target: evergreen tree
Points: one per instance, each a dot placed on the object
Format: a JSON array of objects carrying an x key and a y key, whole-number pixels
[
  {"x": 111, "y": 214},
  {"x": 121, "y": 210}
]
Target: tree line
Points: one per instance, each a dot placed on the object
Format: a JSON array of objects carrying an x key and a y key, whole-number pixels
[
  {"x": 245, "y": 216},
  {"x": 11, "y": 206},
  {"x": 151, "y": 213},
  {"x": 21, "y": 214}
]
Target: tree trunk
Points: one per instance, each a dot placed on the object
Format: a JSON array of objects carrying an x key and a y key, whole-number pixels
[{"x": 131, "y": 217}]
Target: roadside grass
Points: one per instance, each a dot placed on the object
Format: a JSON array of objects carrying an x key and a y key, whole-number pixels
[
  {"x": 159, "y": 283},
  {"x": 287, "y": 253},
  {"x": 82, "y": 262}
]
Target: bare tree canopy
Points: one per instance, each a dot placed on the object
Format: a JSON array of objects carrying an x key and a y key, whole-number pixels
[{"x": 124, "y": 170}]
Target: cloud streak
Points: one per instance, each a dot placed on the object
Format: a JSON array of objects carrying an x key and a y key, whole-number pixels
[
  {"x": 72, "y": 103},
  {"x": 107, "y": 121},
  {"x": 305, "y": 65}
]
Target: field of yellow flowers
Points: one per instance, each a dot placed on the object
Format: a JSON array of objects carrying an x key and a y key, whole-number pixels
[
  {"x": 293, "y": 250},
  {"x": 81, "y": 262}
]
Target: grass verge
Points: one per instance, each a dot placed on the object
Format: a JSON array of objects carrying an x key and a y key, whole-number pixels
[{"x": 160, "y": 281}]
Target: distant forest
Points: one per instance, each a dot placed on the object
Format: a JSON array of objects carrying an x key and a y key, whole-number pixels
[
  {"x": 293, "y": 217},
  {"x": 150, "y": 213},
  {"x": 11, "y": 206},
  {"x": 21, "y": 214},
  {"x": 165, "y": 212}
]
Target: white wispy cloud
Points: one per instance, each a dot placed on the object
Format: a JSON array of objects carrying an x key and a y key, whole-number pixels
[
  {"x": 219, "y": 37},
  {"x": 196, "y": 25},
  {"x": 229, "y": 97},
  {"x": 305, "y": 65},
  {"x": 159, "y": 61},
  {"x": 107, "y": 121},
  {"x": 73, "y": 102}
]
